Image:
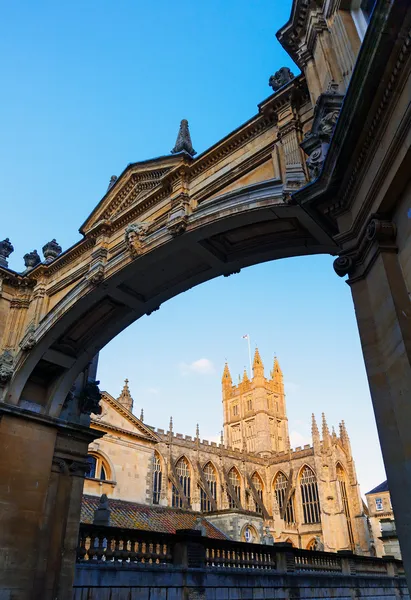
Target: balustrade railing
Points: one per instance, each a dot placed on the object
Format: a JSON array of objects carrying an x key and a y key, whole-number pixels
[
  {"x": 237, "y": 555},
  {"x": 101, "y": 545},
  {"x": 112, "y": 544}
]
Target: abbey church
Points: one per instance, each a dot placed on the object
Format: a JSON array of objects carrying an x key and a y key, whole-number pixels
[{"x": 250, "y": 485}]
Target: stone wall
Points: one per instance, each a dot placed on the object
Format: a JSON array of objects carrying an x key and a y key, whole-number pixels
[{"x": 174, "y": 583}]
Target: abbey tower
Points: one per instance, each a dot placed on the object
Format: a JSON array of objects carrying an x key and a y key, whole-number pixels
[{"x": 254, "y": 411}]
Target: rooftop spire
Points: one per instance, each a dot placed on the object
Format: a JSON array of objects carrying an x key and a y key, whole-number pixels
[
  {"x": 125, "y": 398},
  {"x": 245, "y": 376},
  {"x": 170, "y": 427},
  {"x": 142, "y": 415},
  {"x": 258, "y": 367},
  {"x": 197, "y": 431},
  {"x": 345, "y": 440},
  {"x": 314, "y": 429},
  {"x": 183, "y": 143},
  {"x": 226, "y": 380}
]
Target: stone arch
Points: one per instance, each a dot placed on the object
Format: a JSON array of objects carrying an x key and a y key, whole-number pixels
[
  {"x": 311, "y": 544},
  {"x": 90, "y": 314}
]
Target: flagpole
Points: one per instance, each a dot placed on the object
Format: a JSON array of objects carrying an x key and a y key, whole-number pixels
[{"x": 249, "y": 355}]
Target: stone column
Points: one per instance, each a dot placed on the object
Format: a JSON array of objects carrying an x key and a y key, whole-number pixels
[
  {"x": 42, "y": 466},
  {"x": 383, "y": 313}
]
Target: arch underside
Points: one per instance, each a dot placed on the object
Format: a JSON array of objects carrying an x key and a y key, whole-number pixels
[{"x": 224, "y": 235}]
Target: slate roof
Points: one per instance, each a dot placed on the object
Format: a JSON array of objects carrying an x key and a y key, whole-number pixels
[
  {"x": 131, "y": 515},
  {"x": 383, "y": 487}
]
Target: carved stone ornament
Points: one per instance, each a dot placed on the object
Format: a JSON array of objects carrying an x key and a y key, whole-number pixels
[
  {"x": 327, "y": 124},
  {"x": 6, "y": 248},
  {"x": 6, "y": 367},
  {"x": 113, "y": 180},
  {"x": 89, "y": 399},
  {"x": 135, "y": 235},
  {"x": 315, "y": 162},
  {"x": 318, "y": 544},
  {"x": 280, "y": 78},
  {"x": 31, "y": 259},
  {"x": 96, "y": 275},
  {"x": 29, "y": 340},
  {"x": 316, "y": 141},
  {"x": 343, "y": 265},
  {"x": 51, "y": 250}
]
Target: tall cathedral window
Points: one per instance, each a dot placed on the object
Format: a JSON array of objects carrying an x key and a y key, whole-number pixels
[
  {"x": 157, "y": 479},
  {"x": 183, "y": 474},
  {"x": 235, "y": 481},
  {"x": 309, "y": 495},
  {"x": 210, "y": 476},
  {"x": 344, "y": 498},
  {"x": 258, "y": 486},
  {"x": 280, "y": 487}
]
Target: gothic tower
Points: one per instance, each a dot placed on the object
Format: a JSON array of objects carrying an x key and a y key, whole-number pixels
[{"x": 254, "y": 410}]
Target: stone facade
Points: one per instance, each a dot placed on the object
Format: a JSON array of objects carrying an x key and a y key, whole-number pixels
[
  {"x": 381, "y": 518},
  {"x": 306, "y": 496}
]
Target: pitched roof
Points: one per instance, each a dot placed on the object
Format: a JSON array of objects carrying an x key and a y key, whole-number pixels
[
  {"x": 383, "y": 487},
  {"x": 131, "y": 515}
]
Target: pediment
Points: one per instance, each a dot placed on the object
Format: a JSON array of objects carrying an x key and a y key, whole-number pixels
[
  {"x": 136, "y": 182},
  {"x": 115, "y": 416}
]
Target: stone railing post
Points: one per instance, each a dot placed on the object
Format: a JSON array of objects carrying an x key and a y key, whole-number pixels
[
  {"x": 284, "y": 558},
  {"x": 347, "y": 562},
  {"x": 189, "y": 550},
  {"x": 391, "y": 567}
]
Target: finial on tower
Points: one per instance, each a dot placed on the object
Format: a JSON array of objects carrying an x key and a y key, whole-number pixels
[
  {"x": 142, "y": 415},
  {"x": 258, "y": 367},
  {"x": 183, "y": 143},
  {"x": 221, "y": 438},
  {"x": 245, "y": 376},
  {"x": 226, "y": 379},
  {"x": 314, "y": 428},
  {"x": 197, "y": 431},
  {"x": 125, "y": 398},
  {"x": 325, "y": 432},
  {"x": 170, "y": 427}
]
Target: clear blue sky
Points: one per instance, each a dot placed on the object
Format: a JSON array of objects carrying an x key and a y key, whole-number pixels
[{"x": 90, "y": 86}]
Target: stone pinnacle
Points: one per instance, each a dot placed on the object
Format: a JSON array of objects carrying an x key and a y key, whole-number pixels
[{"x": 183, "y": 143}]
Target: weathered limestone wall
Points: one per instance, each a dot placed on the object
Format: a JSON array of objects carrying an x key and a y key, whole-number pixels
[{"x": 135, "y": 583}]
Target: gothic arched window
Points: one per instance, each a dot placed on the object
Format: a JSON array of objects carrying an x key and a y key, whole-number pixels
[
  {"x": 280, "y": 487},
  {"x": 258, "y": 485},
  {"x": 210, "y": 476},
  {"x": 309, "y": 495},
  {"x": 183, "y": 474},
  {"x": 345, "y": 505},
  {"x": 97, "y": 469},
  {"x": 157, "y": 479},
  {"x": 234, "y": 479}
]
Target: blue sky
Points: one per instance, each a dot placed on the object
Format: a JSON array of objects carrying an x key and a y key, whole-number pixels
[{"x": 90, "y": 86}]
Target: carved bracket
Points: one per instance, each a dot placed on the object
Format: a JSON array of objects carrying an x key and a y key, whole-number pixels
[
  {"x": 178, "y": 218},
  {"x": 29, "y": 340}
]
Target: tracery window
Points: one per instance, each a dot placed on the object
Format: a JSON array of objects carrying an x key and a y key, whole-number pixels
[
  {"x": 210, "y": 476},
  {"x": 280, "y": 487},
  {"x": 96, "y": 468},
  {"x": 235, "y": 410},
  {"x": 309, "y": 495},
  {"x": 235, "y": 481},
  {"x": 157, "y": 479},
  {"x": 344, "y": 498},
  {"x": 258, "y": 485},
  {"x": 183, "y": 474},
  {"x": 312, "y": 544}
]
